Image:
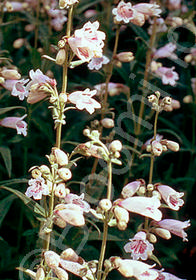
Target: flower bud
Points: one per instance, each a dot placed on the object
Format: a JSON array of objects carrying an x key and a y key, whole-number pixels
[
  {"x": 65, "y": 174},
  {"x": 40, "y": 274},
  {"x": 10, "y": 74},
  {"x": 107, "y": 123},
  {"x": 44, "y": 169},
  {"x": 142, "y": 190},
  {"x": 148, "y": 148},
  {"x": 156, "y": 148},
  {"x": 60, "y": 190},
  {"x": 2, "y": 80},
  {"x": 35, "y": 173},
  {"x": 116, "y": 154},
  {"x": 125, "y": 56},
  {"x": 60, "y": 157},
  {"x": 105, "y": 204},
  {"x": 61, "y": 273},
  {"x": 188, "y": 99},
  {"x": 122, "y": 225},
  {"x": 173, "y": 146},
  {"x": 156, "y": 194},
  {"x": 63, "y": 98},
  {"x": 52, "y": 259},
  {"x": 150, "y": 187},
  {"x": 151, "y": 238},
  {"x": 86, "y": 132},
  {"x": 115, "y": 145},
  {"x": 188, "y": 58},
  {"x": 29, "y": 27},
  {"x": 18, "y": 43},
  {"x": 121, "y": 214},
  {"x": 164, "y": 233},
  {"x": 152, "y": 98},
  {"x": 70, "y": 255},
  {"x": 60, "y": 57}
]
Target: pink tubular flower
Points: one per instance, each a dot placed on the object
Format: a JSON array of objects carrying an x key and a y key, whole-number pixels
[
  {"x": 113, "y": 89},
  {"x": 130, "y": 189},
  {"x": 133, "y": 268},
  {"x": 19, "y": 89},
  {"x": 97, "y": 62},
  {"x": 167, "y": 276},
  {"x": 124, "y": 12},
  {"x": 176, "y": 227},
  {"x": 139, "y": 247},
  {"x": 37, "y": 188},
  {"x": 16, "y": 123},
  {"x": 84, "y": 100},
  {"x": 70, "y": 213},
  {"x": 166, "y": 51},
  {"x": 87, "y": 42},
  {"x": 171, "y": 197},
  {"x": 148, "y": 9},
  {"x": 145, "y": 206},
  {"x": 167, "y": 75},
  {"x": 58, "y": 18},
  {"x": 78, "y": 200},
  {"x": 37, "y": 77}
]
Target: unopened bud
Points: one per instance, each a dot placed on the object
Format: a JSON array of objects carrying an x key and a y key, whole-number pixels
[
  {"x": 35, "y": 173},
  {"x": 107, "y": 123},
  {"x": 60, "y": 190},
  {"x": 40, "y": 274},
  {"x": 86, "y": 132},
  {"x": 52, "y": 259},
  {"x": 116, "y": 154},
  {"x": 2, "y": 80},
  {"x": 63, "y": 98},
  {"x": 122, "y": 225},
  {"x": 125, "y": 56},
  {"x": 105, "y": 204},
  {"x": 148, "y": 148},
  {"x": 152, "y": 98},
  {"x": 107, "y": 264},
  {"x": 156, "y": 148},
  {"x": 150, "y": 187},
  {"x": 70, "y": 255},
  {"x": 60, "y": 157},
  {"x": 65, "y": 174},
  {"x": 115, "y": 145},
  {"x": 121, "y": 214},
  {"x": 164, "y": 233},
  {"x": 173, "y": 146},
  {"x": 188, "y": 58},
  {"x": 60, "y": 57},
  {"x": 44, "y": 169},
  {"x": 142, "y": 190},
  {"x": 59, "y": 222},
  {"x": 61, "y": 273},
  {"x": 156, "y": 194},
  {"x": 152, "y": 238},
  {"x": 18, "y": 43},
  {"x": 10, "y": 74},
  {"x": 188, "y": 99}
]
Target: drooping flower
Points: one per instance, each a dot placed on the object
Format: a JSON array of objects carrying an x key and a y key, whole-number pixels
[
  {"x": 133, "y": 268},
  {"x": 15, "y": 123},
  {"x": 113, "y": 89},
  {"x": 139, "y": 247},
  {"x": 145, "y": 206},
  {"x": 171, "y": 197},
  {"x": 130, "y": 189},
  {"x": 87, "y": 42},
  {"x": 168, "y": 75},
  {"x": 148, "y": 9},
  {"x": 19, "y": 89},
  {"x": 176, "y": 227},
  {"x": 97, "y": 62},
  {"x": 84, "y": 100},
  {"x": 37, "y": 188},
  {"x": 124, "y": 12},
  {"x": 78, "y": 200},
  {"x": 58, "y": 18},
  {"x": 70, "y": 213},
  {"x": 166, "y": 51}
]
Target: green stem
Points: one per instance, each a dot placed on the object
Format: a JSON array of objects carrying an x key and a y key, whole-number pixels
[
  {"x": 105, "y": 227},
  {"x": 65, "y": 72}
]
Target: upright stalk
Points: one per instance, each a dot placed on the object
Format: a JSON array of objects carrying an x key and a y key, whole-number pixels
[
  {"x": 105, "y": 226},
  {"x": 65, "y": 72}
]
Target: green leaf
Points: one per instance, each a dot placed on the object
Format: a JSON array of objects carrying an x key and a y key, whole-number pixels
[
  {"x": 5, "y": 206},
  {"x": 7, "y": 109},
  {"x": 34, "y": 206},
  {"x": 140, "y": 32},
  {"x": 6, "y": 155},
  {"x": 14, "y": 181}
]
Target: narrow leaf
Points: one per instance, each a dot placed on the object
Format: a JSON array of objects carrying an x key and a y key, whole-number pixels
[
  {"x": 34, "y": 206},
  {"x": 6, "y": 155},
  {"x": 7, "y": 109},
  {"x": 5, "y": 206}
]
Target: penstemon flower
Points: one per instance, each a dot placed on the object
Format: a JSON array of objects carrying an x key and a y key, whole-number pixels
[
  {"x": 87, "y": 42},
  {"x": 97, "y": 62},
  {"x": 145, "y": 206},
  {"x": 148, "y": 9},
  {"x": 19, "y": 89},
  {"x": 171, "y": 197},
  {"x": 176, "y": 227},
  {"x": 37, "y": 188},
  {"x": 166, "y": 51},
  {"x": 15, "y": 123},
  {"x": 168, "y": 75},
  {"x": 124, "y": 12},
  {"x": 77, "y": 200},
  {"x": 139, "y": 247},
  {"x": 84, "y": 100}
]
